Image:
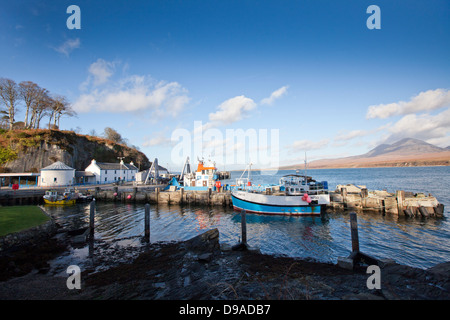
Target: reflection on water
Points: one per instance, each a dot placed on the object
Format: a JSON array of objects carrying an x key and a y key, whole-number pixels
[{"x": 415, "y": 242}]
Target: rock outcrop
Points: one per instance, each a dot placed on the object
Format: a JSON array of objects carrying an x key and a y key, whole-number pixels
[{"x": 36, "y": 149}]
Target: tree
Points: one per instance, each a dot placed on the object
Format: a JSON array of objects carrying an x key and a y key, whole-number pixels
[
  {"x": 40, "y": 107},
  {"x": 60, "y": 106},
  {"x": 111, "y": 134},
  {"x": 9, "y": 93},
  {"x": 28, "y": 92}
]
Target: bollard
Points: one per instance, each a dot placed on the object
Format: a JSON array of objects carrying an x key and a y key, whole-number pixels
[
  {"x": 147, "y": 222},
  {"x": 354, "y": 232}
]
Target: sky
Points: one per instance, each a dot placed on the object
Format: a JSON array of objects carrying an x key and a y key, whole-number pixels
[{"x": 239, "y": 81}]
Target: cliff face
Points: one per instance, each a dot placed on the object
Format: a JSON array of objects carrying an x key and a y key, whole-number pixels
[{"x": 32, "y": 150}]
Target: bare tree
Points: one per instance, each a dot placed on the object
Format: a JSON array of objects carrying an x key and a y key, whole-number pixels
[
  {"x": 9, "y": 93},
  {"x": 40, "y": 107},
  {"x": 60, "y": 106},
  {"x": 29, "y": 92}
]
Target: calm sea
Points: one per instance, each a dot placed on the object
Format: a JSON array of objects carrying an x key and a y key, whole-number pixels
[{"x": 416, "y": 242}]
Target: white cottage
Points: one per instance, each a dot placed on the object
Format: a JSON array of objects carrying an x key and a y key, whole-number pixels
[
  {"x": 56, "y": 175},
  {"x": 105, "y": 172}
]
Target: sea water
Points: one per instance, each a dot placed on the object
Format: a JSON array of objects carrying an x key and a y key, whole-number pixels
[{"x": 416, "y": 242}]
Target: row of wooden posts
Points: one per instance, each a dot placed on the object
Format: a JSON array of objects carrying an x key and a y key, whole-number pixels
[
  {"x": 241, "y": 245},
  {"x": 356, "y": 255}
]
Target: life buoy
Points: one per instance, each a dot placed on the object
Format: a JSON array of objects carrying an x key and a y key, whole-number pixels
[{"x": 218, "y": 184}]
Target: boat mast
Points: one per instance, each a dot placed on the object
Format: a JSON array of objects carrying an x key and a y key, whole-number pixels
[{"x": 306, "y": 177}]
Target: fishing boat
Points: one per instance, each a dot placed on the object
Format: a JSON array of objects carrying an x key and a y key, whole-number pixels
[
  {"x": 294, "y": 195},
  {"x": 55, "y": 198},
  {"x": 204, "y": 178}
]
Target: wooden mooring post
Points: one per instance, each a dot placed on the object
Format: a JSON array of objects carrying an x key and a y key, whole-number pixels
[
  {"x": 91, "y": 227},
  {"x": 356, "y": 257},
  {"x": 147, "y": 222},
  {"x": 243, "y": 244},
  {"x": 354, "y": 232},
  {"x": 92, "y": 219}
]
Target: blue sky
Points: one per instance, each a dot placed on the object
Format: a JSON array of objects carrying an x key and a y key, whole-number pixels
[{"x": 310, "y": 70}]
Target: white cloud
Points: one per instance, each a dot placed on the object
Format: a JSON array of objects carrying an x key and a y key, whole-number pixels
[
  {"x": 68, "y": 46},
  {"x": 351, "y": 135},
  {"x": 101, "y": 71},
  {"x": 275, "y": 95},
  {"x": 431, "y": 128},
  {"x": 306, "y": 145},
  {"x": 158, "y": 141},
  {"x": 232, "y": 110},
  {"x": 133, "y": 93},
  {"x": 424, "y": 101}
]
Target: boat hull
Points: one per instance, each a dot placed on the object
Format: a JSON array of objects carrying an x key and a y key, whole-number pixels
[
  {"x": 273, "y": 205},
  {"x": 60, "y": 202}
]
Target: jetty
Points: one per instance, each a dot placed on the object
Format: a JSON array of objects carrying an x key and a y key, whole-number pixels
[{"x": 343, "y": 198}]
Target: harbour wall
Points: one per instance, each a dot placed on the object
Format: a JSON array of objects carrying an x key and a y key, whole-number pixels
[{"x": 344, "y": 198}]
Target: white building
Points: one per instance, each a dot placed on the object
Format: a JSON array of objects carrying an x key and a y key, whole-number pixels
[
  {"x": 56, "y": 175},
  {"x": 105, "y": 172}
]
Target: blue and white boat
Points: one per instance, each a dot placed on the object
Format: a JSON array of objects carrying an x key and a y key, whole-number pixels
[{"x": 295, "y": 195}]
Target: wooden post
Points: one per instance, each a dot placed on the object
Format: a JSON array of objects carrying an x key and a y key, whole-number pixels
[
  {"x": 92, "y": 219},
  {"x": 344, "y": 197},
  {"x": 147, "y": 222},
  {"x": 400, "y": 198},
  {"x": 243, "y": 244},
  {"x": 157, "y": 194},
  {"x": 354, "y": 230},
  {"x": 91, "y": 228},
  {"x": 244, "y": 227}
]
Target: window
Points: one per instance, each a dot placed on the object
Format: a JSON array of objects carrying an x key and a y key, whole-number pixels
[
  {"x": 115, "y": 171},
  {"x": 105, "y": 179},
  {"x": 55, "y": 179},
  {"x": 106, "y": 171}
]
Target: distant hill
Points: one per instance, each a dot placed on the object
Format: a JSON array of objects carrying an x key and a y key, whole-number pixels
[
  {"x": 31, "y": 150},
  {"x": 407, "y": 146},
  {"x": 407, "y": 152}
]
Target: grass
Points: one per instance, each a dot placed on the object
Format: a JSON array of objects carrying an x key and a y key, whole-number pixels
[{"x": 17, "y": 218}]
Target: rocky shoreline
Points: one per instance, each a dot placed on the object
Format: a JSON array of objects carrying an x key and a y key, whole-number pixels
[{"x": 201, "y": 269}]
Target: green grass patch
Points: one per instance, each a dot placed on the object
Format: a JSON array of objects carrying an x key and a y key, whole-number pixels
[{"x": 17, "y": 218}]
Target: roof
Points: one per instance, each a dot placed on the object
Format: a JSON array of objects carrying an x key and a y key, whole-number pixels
[
  {"x": 58, "y": 166},
  {"x": 84, "y": 174},
  {"x": 116, "y": 166},
  {"x": 21, "y": 174}
]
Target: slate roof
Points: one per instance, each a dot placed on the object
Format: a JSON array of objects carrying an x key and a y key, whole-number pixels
[
  {"x": 58, "y": 165},
  {"x": 116, "y": 166}
]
